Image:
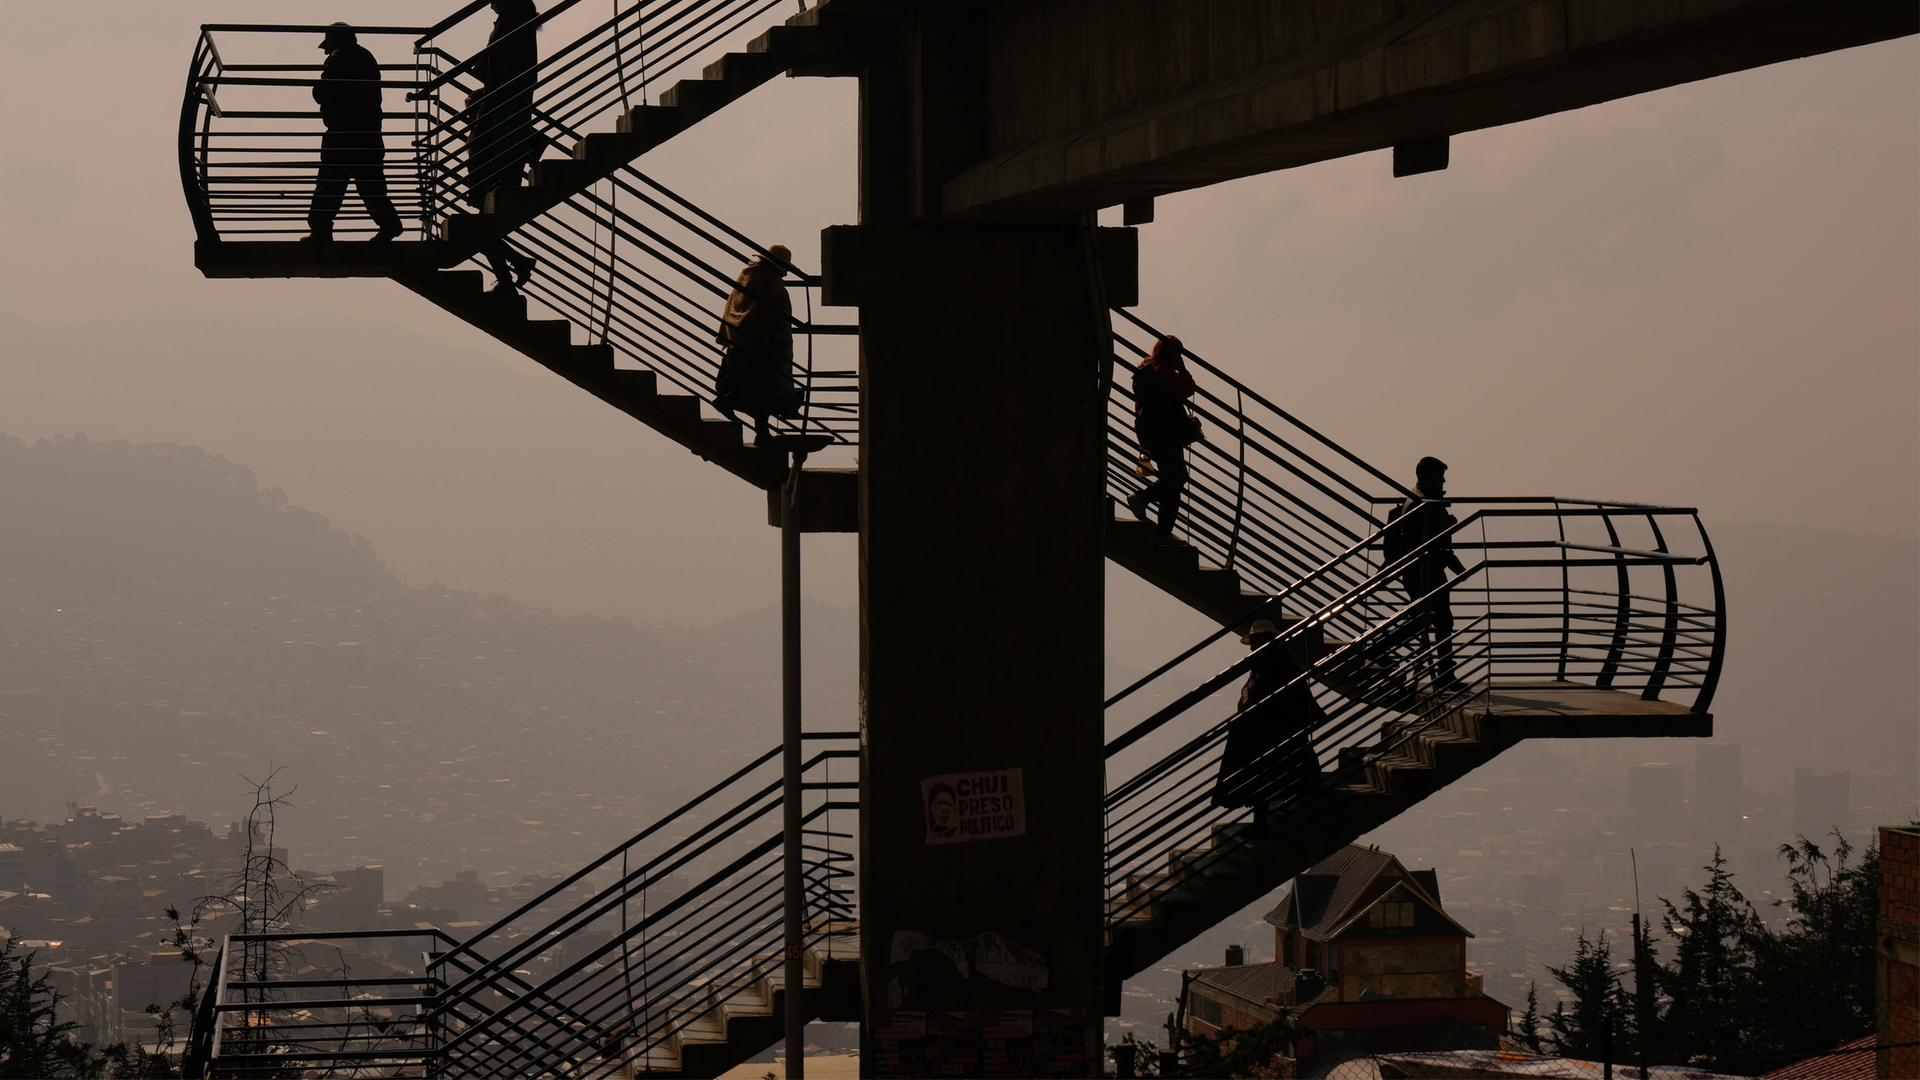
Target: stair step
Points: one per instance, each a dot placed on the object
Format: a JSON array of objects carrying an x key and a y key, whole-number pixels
[
  {"x": 636, "y": 384},
  {"x": 512, "y": 202},
  {"x": 722, "y": 433},
  {"x": 679, "y": 409},
  {"x": 744, "y": 69},
  {"x": 698, "y": 96},
  {"x": 593, "y": 357},
  {"x": 500, "y": 308},
  {"x": 1221, "y": 580},
  {"x": 654, "y": 123},
  {"x": 608, "y": 149},
  {"x": 548, "y": 332},
  {"x": 563, "y": 176},
  {"x": 457, "y": 282}
]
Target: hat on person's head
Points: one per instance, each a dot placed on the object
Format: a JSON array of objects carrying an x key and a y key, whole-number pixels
[
  {"x": 339, "y": 34},
  {"x": 781, "y": 254},
  {"x": 1261, "y": 628}
]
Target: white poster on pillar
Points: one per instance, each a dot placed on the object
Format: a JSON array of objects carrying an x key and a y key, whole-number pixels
[{"x": 965, "y": 807}]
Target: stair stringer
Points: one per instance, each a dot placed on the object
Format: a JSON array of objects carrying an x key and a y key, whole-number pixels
[
  {"x": 590, "y": 367},
  {"x": 748, "y": 1022},
  {"x": 1246, "y": 867},
  {"x": 803, "y": 42}
]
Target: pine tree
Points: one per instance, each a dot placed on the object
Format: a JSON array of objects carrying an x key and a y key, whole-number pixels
[
  {"x": 33, "y": 1041},
  {"x": 1709, "y": 986},
  {"x": 1600, "y": 1023},
  {"x": 1528, "y": 1033},
  {"x": 1828, "y": 943}
]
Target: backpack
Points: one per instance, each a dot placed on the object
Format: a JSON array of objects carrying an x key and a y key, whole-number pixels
[{"x": 1396, "y": 539}]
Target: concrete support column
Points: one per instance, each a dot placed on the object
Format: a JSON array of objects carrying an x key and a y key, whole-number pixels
[{"x": 981, "y": 591}]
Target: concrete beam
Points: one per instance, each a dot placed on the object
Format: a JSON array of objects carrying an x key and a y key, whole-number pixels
[
  {"x": 1210, "y": 90},
  {"x": 927, "y": 265},
  {"x": 829, "y": 501}
]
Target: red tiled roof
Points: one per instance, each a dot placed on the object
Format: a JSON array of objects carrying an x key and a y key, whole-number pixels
[{"x": 1853, "y": 1061}]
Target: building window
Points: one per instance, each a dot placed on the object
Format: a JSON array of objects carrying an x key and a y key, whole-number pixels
[
  {"x": 1206, "y": 1010},
  {"x": 1391, "y": 915}
]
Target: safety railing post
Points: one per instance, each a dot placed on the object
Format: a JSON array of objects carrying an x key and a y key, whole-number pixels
[
  {"x": 1239, "y": 476},
  {"x": 1617, "y": 648},
  {"x": 1670, "y": 618}
]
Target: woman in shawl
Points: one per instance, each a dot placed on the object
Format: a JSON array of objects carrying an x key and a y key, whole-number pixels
[
  {"x": 503, "y": 142},
  {"x": 756, "y": 373},
  {"x": 1161, "y": 389},
  {"x": 1269, "y": 760}
]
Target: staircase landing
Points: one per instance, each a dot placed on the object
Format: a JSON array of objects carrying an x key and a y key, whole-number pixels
[
  {"x": 305, "y": 259},
  {"x": 1563, "y": 710}
]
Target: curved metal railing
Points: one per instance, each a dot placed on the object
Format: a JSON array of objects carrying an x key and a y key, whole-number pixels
[
  {"x": 1557, "y": 598},
  {"x": 629, "y": 262},
  {"x": 609, "y": 66},
  {"x": 1268, "y": 496}
]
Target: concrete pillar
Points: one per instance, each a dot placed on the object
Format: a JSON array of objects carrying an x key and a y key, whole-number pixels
[{"x": 981, "y": 465}]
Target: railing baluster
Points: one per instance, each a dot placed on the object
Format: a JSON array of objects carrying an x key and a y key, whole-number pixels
[{"x": 1670, "y": 626}]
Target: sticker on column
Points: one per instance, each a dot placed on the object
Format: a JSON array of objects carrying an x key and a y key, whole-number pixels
[{"x": 964, "y": 807}]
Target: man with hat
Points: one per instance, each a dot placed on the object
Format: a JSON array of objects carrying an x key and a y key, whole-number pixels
[
  {"x": 352, "y": 149},
  {"x": 1268, "y": 760},
  {"x": 1424, "y": 520}
]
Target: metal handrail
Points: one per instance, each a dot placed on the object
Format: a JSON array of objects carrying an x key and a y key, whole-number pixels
[
  {"x": 1164, "y": 806},
  {"x": 586, "y": 77},
  {"x": 595, "y": 988},
  {"x": 579, "y": 1019}
]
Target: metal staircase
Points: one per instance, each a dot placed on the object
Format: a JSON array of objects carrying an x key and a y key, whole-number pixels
[{"x": 663, "y": 957}]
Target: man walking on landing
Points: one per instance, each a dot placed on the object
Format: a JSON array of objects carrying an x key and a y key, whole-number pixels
[
  {"x": 1413, "y": 523},
  {"x": 352, "y": 148}
]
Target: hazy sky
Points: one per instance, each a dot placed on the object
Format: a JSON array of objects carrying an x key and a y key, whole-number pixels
[{"x": 1705, "y": 295}]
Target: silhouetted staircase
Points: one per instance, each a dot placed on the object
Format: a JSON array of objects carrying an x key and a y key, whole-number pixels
[
  {"x": 747, "y": 1023},
  {"x": 1238, "y": 862},
  {"x": 549, "y": 342},
  {"x": 674, "y": 968},
  {"x": 805, "y": 39}
]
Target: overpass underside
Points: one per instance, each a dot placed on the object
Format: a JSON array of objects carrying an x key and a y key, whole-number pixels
[{"x": 1091, "y": 103}]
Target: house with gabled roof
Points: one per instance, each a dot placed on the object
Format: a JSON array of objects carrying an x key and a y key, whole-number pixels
[{"x": 1364, "y": 955}]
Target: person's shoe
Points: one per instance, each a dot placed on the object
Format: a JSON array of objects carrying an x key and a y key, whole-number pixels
[
  {"x": 388, "y": 233},
  {"x": 1137, "y": 505},
  {"x": 524, "y": 272},
  {"x": 318, "y": 236},
  {"x": 1167, "y": 540}
]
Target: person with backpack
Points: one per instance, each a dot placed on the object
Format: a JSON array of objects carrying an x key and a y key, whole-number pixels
[
  {"x": 756, "y": 330},
  {"x": 1161, "y": 389},
  {"x": 1425, "y": 520},
  {"x": 352, "y": 150}
]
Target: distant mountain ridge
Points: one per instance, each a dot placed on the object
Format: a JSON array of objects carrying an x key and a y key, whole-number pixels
[{"x": 88, "y": 517}]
